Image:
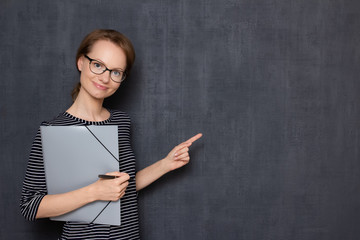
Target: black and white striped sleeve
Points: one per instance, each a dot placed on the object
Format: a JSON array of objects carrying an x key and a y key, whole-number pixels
[{"x": 34, "y": 185}]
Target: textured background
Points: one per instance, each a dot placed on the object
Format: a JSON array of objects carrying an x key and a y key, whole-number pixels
[{"x": 273, "y": 85}]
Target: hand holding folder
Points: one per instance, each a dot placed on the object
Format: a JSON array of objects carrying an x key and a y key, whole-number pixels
[
  {"x": 73, "y": 158},
  {"x": 111, "y": 186}
]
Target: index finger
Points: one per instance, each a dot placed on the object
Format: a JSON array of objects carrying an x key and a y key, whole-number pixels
[{"x": 194, "y": 138}]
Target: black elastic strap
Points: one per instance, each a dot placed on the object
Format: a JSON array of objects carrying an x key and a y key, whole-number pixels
[
  {"x": 102, "y": 144},
  {"x": 113, "y": 157},
  {"x": 101, "y": 212}
]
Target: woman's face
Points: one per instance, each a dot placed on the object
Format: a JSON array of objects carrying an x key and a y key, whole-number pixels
[{"x": 101, "y": 86}]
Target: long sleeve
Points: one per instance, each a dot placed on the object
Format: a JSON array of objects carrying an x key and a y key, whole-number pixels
[
  {"x": 34, "y": 185},
  {"x": 35, "y": 188}
]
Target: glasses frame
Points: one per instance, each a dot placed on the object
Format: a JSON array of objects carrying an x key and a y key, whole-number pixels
[{"x": 106, "y": 69}]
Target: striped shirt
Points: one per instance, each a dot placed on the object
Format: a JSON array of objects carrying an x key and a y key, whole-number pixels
[{"x": 34, "y": 185}]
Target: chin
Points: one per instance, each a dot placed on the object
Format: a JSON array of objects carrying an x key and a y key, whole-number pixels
[{"x": 102, "y": 96}]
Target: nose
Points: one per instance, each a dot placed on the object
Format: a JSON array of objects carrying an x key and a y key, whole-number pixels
[{"x": 105, "y": 76}]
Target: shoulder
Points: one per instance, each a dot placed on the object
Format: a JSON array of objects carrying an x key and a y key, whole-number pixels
[
  {"x": 59, "y": 120},
  {"x": 121, "y": 119},
  {"x": 118, "y": 115}
]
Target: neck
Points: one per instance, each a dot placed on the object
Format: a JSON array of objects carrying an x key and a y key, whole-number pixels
[{"x": 88, "y": 108}]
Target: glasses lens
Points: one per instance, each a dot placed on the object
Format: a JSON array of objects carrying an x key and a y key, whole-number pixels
[
  {"x": 117, "y": 76},
  {"x": 97, "y": 67}
]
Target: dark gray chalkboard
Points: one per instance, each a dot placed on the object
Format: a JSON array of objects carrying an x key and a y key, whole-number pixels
[{"x": 273, "y": 85}]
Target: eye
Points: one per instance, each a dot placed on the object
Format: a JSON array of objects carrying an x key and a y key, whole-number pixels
[
  {"x": 116, "y": 73},
  {"x": 98, "y": 65}
]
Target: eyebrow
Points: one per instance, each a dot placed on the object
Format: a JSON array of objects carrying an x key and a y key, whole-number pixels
[{"x": 98, "y": 60}]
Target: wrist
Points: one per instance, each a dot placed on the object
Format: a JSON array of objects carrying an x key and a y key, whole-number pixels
[
  {"x": 90, "y": 193},
  {"x": 164, "y": 166}
]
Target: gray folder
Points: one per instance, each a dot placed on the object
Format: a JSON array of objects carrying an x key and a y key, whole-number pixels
[{"x": 73, "y": 158}]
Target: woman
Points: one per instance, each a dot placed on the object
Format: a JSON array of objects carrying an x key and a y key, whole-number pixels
[{"x": 104, "y": 59}]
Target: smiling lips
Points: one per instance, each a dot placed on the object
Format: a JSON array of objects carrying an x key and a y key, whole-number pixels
[{"x": 100, "y": 86}]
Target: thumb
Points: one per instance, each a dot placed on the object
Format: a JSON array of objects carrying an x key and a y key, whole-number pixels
[{"x": 117, "y": 174}]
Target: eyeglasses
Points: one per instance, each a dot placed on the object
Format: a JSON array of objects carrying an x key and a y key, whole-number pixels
[{"x": 97, "y": 67}]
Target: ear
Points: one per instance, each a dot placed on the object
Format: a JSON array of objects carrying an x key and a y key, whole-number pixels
[{"x": 80, "y": 63}]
